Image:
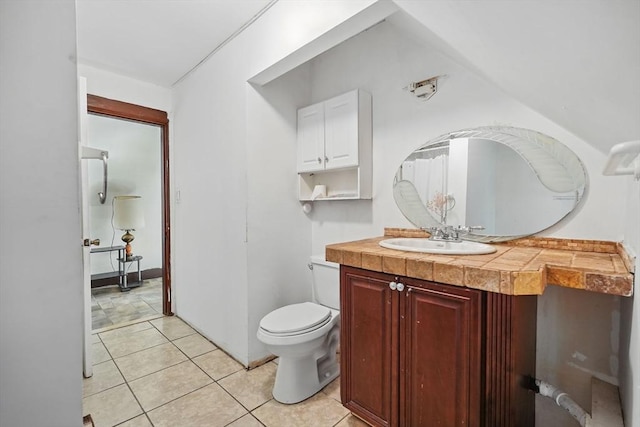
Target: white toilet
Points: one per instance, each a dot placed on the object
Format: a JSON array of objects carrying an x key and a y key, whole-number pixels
[{"x": 306, "y": 336}]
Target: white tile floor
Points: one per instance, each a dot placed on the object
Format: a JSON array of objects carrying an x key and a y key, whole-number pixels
[{"x": 163, "y": 373}]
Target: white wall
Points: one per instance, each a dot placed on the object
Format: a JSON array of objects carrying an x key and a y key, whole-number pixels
[
  {"x": 241, "y": 239},
  {"x": 210, "y": 268},
  {"x": 274, "y": 214},
  {"x": 41, "y": 318},
  {"x": 134, "y": 168}
]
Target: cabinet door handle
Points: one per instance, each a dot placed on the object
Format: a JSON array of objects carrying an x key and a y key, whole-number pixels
[
  {"x": 393, "y": 286},
  {"x": 319, "y": 160},
  {"x": 400, "y": 287},
  {"x": 326, "y": 159}
]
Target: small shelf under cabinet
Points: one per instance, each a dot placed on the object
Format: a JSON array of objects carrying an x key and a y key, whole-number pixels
[{"x": 343, "y": 184}]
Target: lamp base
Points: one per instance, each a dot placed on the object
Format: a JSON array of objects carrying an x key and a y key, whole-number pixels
[
  {"x": 128, "y": 253},
  {"x": 127, "y": 238}
]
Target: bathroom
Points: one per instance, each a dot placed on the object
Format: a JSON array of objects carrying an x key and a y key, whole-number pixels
[
  {"x": 381, "y": 61},
  {"x": 240, "y": 266}
]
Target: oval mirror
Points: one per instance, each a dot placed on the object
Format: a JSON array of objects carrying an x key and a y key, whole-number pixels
[{"x": 511, "y": 182}]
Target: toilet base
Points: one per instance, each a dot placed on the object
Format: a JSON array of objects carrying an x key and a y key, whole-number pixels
[{"x": 298, "y": 378}]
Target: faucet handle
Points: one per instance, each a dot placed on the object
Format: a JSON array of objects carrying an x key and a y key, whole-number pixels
[
  {"x": 434, "y": 231},
  {"x": 469, "y": 228}
]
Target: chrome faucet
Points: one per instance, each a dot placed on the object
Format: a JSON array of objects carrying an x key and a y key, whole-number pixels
[{"x": 449, "y": 233}]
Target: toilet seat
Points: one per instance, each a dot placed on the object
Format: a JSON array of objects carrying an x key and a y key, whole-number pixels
[{"x": 296, "y": 319}]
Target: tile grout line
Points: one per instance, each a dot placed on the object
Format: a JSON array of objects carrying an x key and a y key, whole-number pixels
[
  {"x": 189, "y": 359},
  {"x": 247, "y": 411},
  {"x": 128, "y": 386}
]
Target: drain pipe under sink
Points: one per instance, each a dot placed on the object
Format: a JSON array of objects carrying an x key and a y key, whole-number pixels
[{"x": 563, "y": 400}]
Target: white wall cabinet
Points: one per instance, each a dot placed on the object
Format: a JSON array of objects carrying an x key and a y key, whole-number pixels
[{"x": 334, "y": 147}]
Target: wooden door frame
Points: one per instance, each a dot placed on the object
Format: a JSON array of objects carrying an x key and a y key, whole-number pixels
[{"x": 137, "y": 113}]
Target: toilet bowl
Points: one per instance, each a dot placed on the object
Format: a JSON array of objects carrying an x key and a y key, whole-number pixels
[{"x": 305, "y": 337}]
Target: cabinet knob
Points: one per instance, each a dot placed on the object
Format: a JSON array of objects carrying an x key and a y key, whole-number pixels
[
  {"x": 393, "y": 286},
  {"x": 326, "y": 159},
  {"x": 400, "y": 287},
  {"x": 319, "y": 160}
]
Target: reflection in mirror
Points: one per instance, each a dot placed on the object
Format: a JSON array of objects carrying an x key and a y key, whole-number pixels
[{"x": 512, "y": 182}]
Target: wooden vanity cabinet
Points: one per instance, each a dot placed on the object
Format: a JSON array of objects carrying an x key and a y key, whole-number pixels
[{"x": 417, "y": 353}]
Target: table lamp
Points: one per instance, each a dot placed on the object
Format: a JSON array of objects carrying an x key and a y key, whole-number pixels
[{"x": 128, "y": 216}]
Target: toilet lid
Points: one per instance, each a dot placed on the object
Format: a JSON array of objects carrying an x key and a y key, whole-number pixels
[{"x": 295, "y": 318}]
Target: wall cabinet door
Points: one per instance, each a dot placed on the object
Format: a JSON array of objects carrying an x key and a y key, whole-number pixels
[
  {"x": 341, "y": 131},
  {"x": 310, "y": 138},
  {"x": 330, "y": 133}
]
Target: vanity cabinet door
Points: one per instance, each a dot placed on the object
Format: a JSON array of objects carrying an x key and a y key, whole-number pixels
[
  {"x": 369, "y": 346},
  {"x": 440, "y": 355}
]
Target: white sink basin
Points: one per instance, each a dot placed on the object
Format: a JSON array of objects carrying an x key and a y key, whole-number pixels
[{"x": 436, "y": 246}]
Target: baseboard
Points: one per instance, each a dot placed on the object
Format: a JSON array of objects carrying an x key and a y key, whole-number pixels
[
  {"x": 260, "y": 362},
  {"x": 132, "y": 277}
]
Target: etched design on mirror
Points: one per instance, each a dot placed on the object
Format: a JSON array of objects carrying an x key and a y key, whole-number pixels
[{"x": 512, "y": 182}]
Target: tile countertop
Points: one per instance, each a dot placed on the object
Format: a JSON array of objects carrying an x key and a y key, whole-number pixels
[{"x": 519, "y": 267}]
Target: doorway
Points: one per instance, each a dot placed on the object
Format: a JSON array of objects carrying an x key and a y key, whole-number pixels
[{"x": 153, "y": 121}]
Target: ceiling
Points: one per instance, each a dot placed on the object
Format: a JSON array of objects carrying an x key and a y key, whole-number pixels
[
  {"x": 158, "y": 41},
  {"x": 576, "y": 62}
]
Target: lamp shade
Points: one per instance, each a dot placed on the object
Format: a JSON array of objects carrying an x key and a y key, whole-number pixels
[{"x": 128, "y": 212}]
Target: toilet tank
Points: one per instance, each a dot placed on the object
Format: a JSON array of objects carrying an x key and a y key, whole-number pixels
[{"x": 325, "y": 277}]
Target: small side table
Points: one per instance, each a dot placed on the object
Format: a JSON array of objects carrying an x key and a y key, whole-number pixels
[
  {"x": 123, "y": 266},
  {"x": 109, "y": 274}
]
